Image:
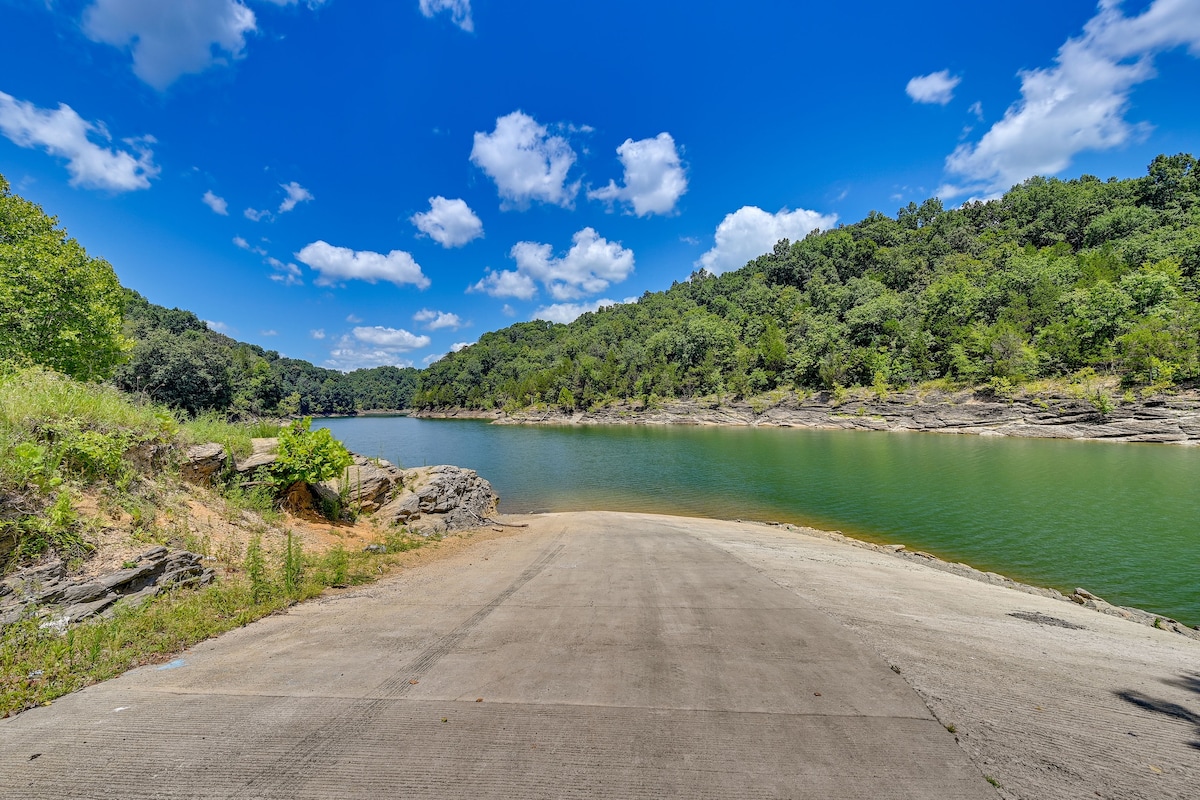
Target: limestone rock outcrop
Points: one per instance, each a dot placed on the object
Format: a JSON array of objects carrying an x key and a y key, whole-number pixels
[
  {"x": 47, "y": 590},
  {"x": 441, "y": 498},
  {"x": 265, "y": 453},
  {"x": 366, "y": 485},
  {"x": 203, "y": 461}
]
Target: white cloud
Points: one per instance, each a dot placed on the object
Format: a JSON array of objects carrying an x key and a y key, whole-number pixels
[
  {"x": 976, "y": 108},
  {"x": 317, "y": 333},
  {"x": 460, "y": 11},
  {"x": 288, "y": 273},
  {"x": 217, "y": 204},
  {"x": 338, "y": 264},
  {"x": 569, "y": 312},
  {"x": 63, "y": 133},
  {"x": 454, "y": 348},
  {"x": 219, "y": 327},
  {"x": 353, "y": 319},
  {"x": 1078, "y": 104},
  {"x": 242, "y": 243},
  {"x": 373, "y": 346},
  {"x": 295, "y": 194},
  {"x": 526, "y": 162},
  {"x": 271, "y": 332},
  {"x": 170, "y": 39},
  {"x": 508, "y": 310},
  {"x": 506, "y": 283},
  {"x": 749, "y": 232},
  {"x": 936, "y": 87},
  {"x": 396, "y": 339},
  {"x": 438, "y": 319},
  {"x": 654, "y": 177},
  {"x": 254, "y": 215},
  {"x": 450, "y": 223},
  {"x": 346, "y": 357},
  {"x": 588, "y": 267}
]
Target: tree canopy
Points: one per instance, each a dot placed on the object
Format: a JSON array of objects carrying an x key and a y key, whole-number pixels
[
  {"x": 59, "y": 307},
  {"x": 1053, "y": 277}
]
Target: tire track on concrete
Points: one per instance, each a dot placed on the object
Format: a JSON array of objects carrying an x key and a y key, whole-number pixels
[{"x": 317, "y": 749}]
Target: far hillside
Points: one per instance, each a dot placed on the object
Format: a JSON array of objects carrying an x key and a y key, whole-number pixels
[
  {"x": 1053, "y": 278},
  {"x": 63, "y": 309}
]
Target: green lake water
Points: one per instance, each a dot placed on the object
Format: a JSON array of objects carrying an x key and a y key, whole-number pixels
[{"x": 1117, "y": 519}]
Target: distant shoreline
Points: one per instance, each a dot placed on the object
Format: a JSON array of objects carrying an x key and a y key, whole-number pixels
[{"x": 1166, "y": 419}]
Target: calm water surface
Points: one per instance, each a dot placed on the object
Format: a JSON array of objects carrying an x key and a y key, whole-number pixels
[{"x": 1118, "y": 519}]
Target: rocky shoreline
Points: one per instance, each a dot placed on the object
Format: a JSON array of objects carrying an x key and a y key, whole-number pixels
[{"x": 1169, "y": 419}]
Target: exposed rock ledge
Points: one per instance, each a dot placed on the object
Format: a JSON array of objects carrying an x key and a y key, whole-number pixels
[
  {"x": 60, "y": 600},
  {"x": 1171, "y": 419}
]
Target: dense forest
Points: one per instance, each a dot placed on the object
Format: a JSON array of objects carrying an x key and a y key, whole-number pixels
[
  {"x": 177, "y": 360},
  {"x": 1052, "y": 278},
  {"x": 63, "y": 309}
]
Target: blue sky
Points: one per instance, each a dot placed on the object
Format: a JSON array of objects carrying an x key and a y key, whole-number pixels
[{"x": 361, "y": 182}]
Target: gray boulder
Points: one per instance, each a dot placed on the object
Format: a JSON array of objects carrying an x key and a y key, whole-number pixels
[
  {"x": 441, "y": 498},
  {"x": 366, "y": 485}
]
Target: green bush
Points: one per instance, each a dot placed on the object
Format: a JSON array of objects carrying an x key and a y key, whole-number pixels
[{"x": 307, "y": 455}]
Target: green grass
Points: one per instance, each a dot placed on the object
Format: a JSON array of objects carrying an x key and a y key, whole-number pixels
[
  {"x": 39, "y": 664},
  {"x": 50, "y": 423},
  {"x": 233, "y": 436}
]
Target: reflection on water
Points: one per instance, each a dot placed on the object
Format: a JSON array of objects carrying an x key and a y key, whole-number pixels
[{"x": 1119, "y": 520}]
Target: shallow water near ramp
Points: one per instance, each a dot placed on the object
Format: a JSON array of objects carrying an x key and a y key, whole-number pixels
[{"x": 1121, "y": 520}]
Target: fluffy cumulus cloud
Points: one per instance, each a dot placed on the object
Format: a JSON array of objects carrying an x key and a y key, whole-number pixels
[
  {"x": 338, "y": 264},
  {"x": 296, "y": 194},
  {"x": 569, "y": 312},
  {"x": 317, "y": 333},
  {"x": 217, "y": 204},
  {"x": 506, "y": 283},
  {"x": 588, "y": 267},
  {"x": 459, "y": 10},
  {"x": 454, "y": 348},
  {"x": 374, "y": 346},
  {"x": 654, "y": 177},
  {"x": 396, "y": 339},
  {"x": 436, "y": 320},
  {"x": 526, "y": 162},
  {"x": 170, "y": 39},
  {"x": 749, "y": 232},
  {"x": 1078, "y": 104},
  {"x": 450, "y": 223},
  {"x": 64, "y": 134},
  {"x": 936, "y": 87}
]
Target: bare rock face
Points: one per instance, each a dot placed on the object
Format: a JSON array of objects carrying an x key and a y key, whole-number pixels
[
  {"x": 203, "y": 461},
  {"x": 441, "y": 498},
  {"x": 366, "y": 485},
  {"x": 46, "y": 590},
  {"x": 265, "y": 453}
]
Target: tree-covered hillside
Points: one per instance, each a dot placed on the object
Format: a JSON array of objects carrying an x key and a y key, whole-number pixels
[
  {"x": 1053, "y": 277},
  {"x": 177, "y": 360},
  {"x": 63, "y": 309}
]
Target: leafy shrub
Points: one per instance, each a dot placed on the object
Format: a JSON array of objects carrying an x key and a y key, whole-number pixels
[{"x": 307, "y": 455}]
